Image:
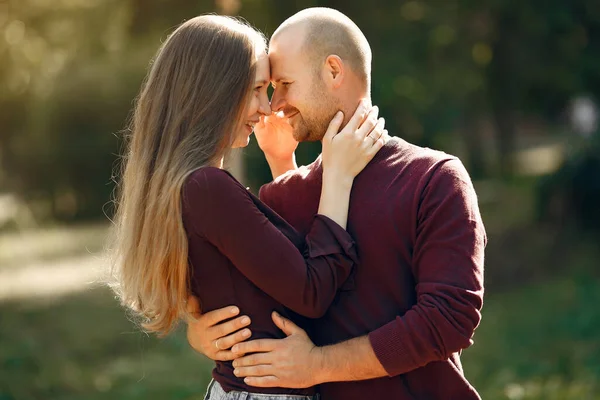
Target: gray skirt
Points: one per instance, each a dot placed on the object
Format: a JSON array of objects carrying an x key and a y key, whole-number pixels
[{"x": 216, "y": 392}]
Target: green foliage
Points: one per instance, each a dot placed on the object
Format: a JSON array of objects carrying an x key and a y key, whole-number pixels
[
  {"x": 537, "y": 342},
  {"x": 570, "y": 195},
  {"x": 85, "y": 348},
  {"x": 70, "y": 70}
]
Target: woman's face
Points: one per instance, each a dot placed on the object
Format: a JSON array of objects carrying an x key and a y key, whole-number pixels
[{"x": 259, "y": 101}]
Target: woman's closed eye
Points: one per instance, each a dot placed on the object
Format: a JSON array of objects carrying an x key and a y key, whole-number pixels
[{"x": 259, "y": 88}]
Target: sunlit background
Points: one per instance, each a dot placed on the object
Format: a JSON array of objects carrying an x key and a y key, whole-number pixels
[{"x": 509, "y": 87}]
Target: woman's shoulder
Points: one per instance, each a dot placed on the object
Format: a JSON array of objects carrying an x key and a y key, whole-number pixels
[
  {"x": 212, "y": 173},
  {"x": 211, "y": 183},
  {"x": 212, "y": 198}
]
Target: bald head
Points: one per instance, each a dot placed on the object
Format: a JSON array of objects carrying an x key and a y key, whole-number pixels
[{"x": 324, "y": 32}]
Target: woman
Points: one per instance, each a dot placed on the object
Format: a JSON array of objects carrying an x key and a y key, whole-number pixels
[{"x": 185, "y": 226}]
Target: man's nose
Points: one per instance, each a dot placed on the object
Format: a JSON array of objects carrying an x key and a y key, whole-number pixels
[{"x": 277, "y": 100}]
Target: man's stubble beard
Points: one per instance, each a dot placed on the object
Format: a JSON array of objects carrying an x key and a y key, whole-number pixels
[{"x": 312, "y": 126}]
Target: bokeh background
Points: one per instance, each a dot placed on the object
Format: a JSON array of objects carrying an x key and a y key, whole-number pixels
[{"x": 509, "y": 87}]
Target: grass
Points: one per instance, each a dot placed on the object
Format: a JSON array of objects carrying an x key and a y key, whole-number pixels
[
  {"x": 50, "y": 244},
  {"x": 535, "y": 342},
  {"x": 84, "y": 347},
  {"x": 539, "y": 342}
]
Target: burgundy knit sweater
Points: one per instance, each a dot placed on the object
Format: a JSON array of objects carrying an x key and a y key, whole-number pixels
[{"x": 417, "y": 290}]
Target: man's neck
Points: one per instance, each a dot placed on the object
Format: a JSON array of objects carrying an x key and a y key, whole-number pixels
[{"x": 350, "y": 106}]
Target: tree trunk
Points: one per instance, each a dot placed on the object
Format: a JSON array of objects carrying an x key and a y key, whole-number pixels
[
  {"x": 503, "y": 83},
  {"x": 473, "y": 139}
]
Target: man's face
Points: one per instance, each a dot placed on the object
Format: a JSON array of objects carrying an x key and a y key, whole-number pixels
[{"x": 299, "y": 91}]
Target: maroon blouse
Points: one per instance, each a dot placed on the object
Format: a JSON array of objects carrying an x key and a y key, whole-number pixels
[{"x": 242, "y": 253}]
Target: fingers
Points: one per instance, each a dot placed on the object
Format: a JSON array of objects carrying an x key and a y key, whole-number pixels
[
  {"x": 255, "y": 370},
  {"x": 376, "y": 132},
  {"x": 255, "y": 346},
  {"x": 282, "y": 124},
  {"x": 262, "y": 381},
  {"x": 262, "y": 120},
  {"x": 215, "y": 317},
  {"x": 252, "y": 359},
  {"x": 193, "y": 306},
  {"x": 334, "y": 126},
  {"x": 214, "y": 341},
  {"x": 287, "y": 326},
  {"x": 229, "y": 341},
  {"x": 385, "y": 136},
  {"x": 369, "y": 123},
  {"x": 227, "y": 328},
  {"x": 375, "y": 140},
  {"x": 378, "y": 144},
  {"x": 225, "y": 355},
  {"x": 358, "y": 117}
]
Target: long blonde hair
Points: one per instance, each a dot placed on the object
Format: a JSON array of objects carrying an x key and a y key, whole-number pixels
[{"x": 190, "y": 105}]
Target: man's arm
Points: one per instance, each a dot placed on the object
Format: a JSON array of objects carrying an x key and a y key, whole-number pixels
[
  {"x": 352, "y": 360},
  {"x": 448, "y": 269},
  {"x": 447, "y": 263},
  {"x": 295, "y": 362},
  {"x": 281, "y": 166},
  {"x": 275, "y": 138}
]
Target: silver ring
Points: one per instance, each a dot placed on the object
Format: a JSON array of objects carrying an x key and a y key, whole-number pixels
[{"x": 372, "y": 138}]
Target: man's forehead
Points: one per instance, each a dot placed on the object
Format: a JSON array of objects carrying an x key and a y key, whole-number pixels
[
  {"x": 288, "y": 43},
  {"x": 277, "y": 62},
  {"x": 288, "y": 36},
  {"x": 275, "y": 58},
  {"x": 283, "y": 59}
]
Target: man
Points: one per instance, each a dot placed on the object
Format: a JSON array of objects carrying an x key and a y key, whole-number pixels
[{"x": 397, "y": 327}]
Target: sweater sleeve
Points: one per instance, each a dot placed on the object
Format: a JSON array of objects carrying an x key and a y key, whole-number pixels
[
  {"x": 222, "y": 212},
  {"x": 265, "y": 195},
  {"x": 447, "y": 265}
]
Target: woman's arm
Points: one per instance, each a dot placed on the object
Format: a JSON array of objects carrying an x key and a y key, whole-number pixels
[
  {"x": 344, "y": 156},
  {"x": 222, "y": 212},
  {"x": 216, "y": 325}
]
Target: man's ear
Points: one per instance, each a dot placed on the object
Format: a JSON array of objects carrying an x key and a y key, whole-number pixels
[{"x": 334, "y": 70}]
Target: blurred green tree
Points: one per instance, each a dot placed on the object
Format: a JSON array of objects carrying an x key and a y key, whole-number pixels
[{"x": 449, "y": 74}]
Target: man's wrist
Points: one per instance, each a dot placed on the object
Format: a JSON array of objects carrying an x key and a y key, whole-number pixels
[
  {"x": 287, "y": 159},
  {"x": 280, "y": 165},
  {"x": 319, "y": 365},
  {"x": 352, "y": 360}
]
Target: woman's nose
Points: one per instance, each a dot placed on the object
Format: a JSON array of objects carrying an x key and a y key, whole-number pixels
[{"x": 264, "y": 108}]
